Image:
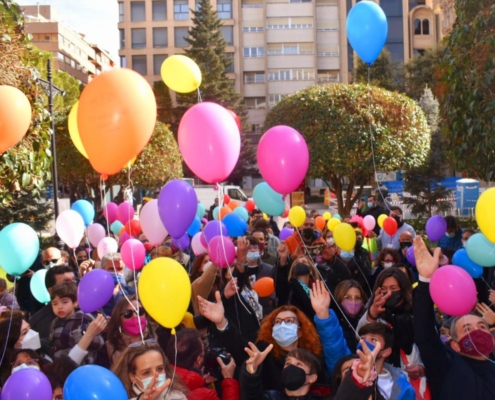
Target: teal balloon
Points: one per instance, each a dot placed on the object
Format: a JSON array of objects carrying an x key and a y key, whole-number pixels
[
  {"x": 38, "y": 287},
  {"x": 337, "y": 216},
  {"x": 195, "y": 227},
  {"x": 461, "y": 259},
  {"x": 480, "y": 250},
  {"x": 216, "y": 210},
  {"x": 200, "y": 212},
  {"x": 268, "y": 200},
  {"x": 86, "y": 210},
  {"x": 116, "y": 227},
  {"x": 242, "y": 212},
  {"x": 19, "y": 248}
]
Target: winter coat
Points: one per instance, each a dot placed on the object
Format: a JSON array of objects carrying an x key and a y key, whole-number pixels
[
  {"x": 333, "y": 272},
  {"x": 166, "y": 395}
]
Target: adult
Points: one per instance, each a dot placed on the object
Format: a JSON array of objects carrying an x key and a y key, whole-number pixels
[
  {"x": 466, "y": 234},
  {"x": 331, "y": 267},
  {"x": 203, "y": 277},
  {"x": 255, "y": 216},
  {"x": 177, "y": 254},
  {"x": 268, "y": 255},
  {"x": 452, "y": 240},
  {"x": 371, "y": 208},
  {"x": 360, "y": 263},
  {"x": 271, "y": 241},
  {"x": 51, "y": 257},
  {"x": 386, "y": 258},
  {"x": 81, "y": 256},
  {"x": 301, "y": 279},
  {"x": 305, "y": 236},
  {"x": 392, "y": 241}
]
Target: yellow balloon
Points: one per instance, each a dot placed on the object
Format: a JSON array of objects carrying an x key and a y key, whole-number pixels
[
  {"x": 485, "y": 214},
  {"x": 332, "y": 223},
  {"x": 297, "y": 216},
  {"x": 327, "y": 216},
  {"x": 381, "y": 219},
  {"x": 181, "y": 74},
  {"x": 345, "y": 237},
  {"x": 165, "y": 291},
  {"x": 74, "y": 131},
  {"x": 266, "y": 216}
]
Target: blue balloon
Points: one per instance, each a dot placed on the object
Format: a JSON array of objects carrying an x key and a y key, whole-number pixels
[
  {"x": 195, "y": 227},
  {"x": 337, "y": 216},
  {"x": 461, "y": 259},
  {"x": 85, "y": 209},
  {"x": 19, "y": 248},
  {"x": 367, "y": 30},
  {"x": 480, "y": 250},
  {"x": 268, "y": 200},
  {"x": 242, "y": 212},
  {"x": 95, "y": 383},
  {"x": 200, "y": 212},
  {"x": 236, "y": 226}
]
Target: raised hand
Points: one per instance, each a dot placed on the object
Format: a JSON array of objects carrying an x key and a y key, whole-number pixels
[
  {"x": 85, "y": 267},
  {"x": 213, "y": 311},
  {"x": 242, "y": 249},
  {"x": 425, "y": 262},
  {"x": 152, "y": 392},
  {"x": 486, "y": 312},
  {"x": 256, "y": 357},
  {"x": 378, "y": 306},
  {"x": 231, "y": 288},
  {"x": 367, "y": 360},
  {"x": 97, "y": 326},
  {"x": 320, "y": 300}
]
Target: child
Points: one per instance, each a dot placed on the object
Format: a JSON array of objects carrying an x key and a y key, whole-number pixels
[
  {"x": 74, "y": 331},
  {"x": 7, "y": 299}
]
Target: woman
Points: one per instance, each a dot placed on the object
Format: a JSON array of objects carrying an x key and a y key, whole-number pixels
[
  {"x": 161, "y": 251},
  {"x": 146, "y": 374},
  {"x": 177, "y": 254},
  {"x": 25, "y": 358},
  {"x": 386, "y": 258},
  {"x": 284, "y": 265},
  {"x": 301, "y": 279},
  {"x": 203, "y": 278},
  {"x": 80, "y": 256},
  {"x": 407, "y": 271}
]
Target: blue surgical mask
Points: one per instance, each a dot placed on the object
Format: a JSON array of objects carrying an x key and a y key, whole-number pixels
[
  {"x": 450, "y": 235},
  {"x": 146, "y": 382},
  {"x": 370, "y": 346},
  {"x": 24, "y": 366},
  {"x": 285, "y": 334},
  {"x": 370, "y": 204},
  {"x": 253, "y": 255},
  {"x": 347, "y": 255}
]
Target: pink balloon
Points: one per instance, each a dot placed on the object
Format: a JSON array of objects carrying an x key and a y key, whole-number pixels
[
  {"x": 197, "y": 246},
  {"x": 133, "y": 254},
  {"x": 369, "y": 222},
  {"x": 209, "y": 141},
  {"x": 125, "y": 212},
  {"x": 453, "y": 290},
  {"x": 107, "y": 245},
  {"x": 70, "y": 227},
  {"x": 203, "y": 240},
  {"x": 283, "y": 158},
  {"x": 221, "y": 251},
  {"x": 124, "y": 238},
  {"x": 96, "y": 232},
  {"x": 151, "y": 224},
  {"x": 110, "y": 212}
]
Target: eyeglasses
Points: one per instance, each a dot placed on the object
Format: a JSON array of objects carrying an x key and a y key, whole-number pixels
[
  {"x": 30, "y": 363},
  {"x": 354, "y": 298},
  {"x": 59, "y": 397},
  {"x": 141, "y": 343},
  {"x": 129, "y": 313},
  {"x": 48, "y": 262},
  {"x": 288, "y": 321}
]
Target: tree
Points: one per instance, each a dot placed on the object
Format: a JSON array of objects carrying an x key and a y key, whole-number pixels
[
  {"x": 27, "y": 208},
  {"x": 424, "y": 181},
  {"x": 424, "y": 71},
  {"x": 165, "y": 108},
  {"x": 383, "y": 73},
  {"x": 468, "y": 73},
  {"x": 335, "y": 121}
]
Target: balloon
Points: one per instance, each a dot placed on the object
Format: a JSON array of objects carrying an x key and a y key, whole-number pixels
[
  {"x": 209, "y": 141},
  {"x": 235, "y": 224},
  {"x": 410, "y": 256},
  {"x": 332, "y": 223},
  {"x": 224, "y": 211},
  {"x": 183, "y": 242},
  {"x": 320, "y": 222},
  {"x": 265, "y": 216},
  {"x": 485, "y": 214},
  {"x": 461, "y": 259},
  {"x": 104, "y": 384},
  {"x": 26, "y": 384},
  {"x": 110, "y": 212},
  {"x": 19, "y": 248},
  {"x": 74, "y": 130},
  {"x": 226, "y": 199},
  {"x": 297, "y": 216},
  {"x": 203, "y": 240},
  {"x": 15, "y": 116},
  {"x": 38, "y": 287},
  {"x": 216, "y": 210},
  {"x": 212, "y": 229},
  {"x": 369, "y": 222},
  {"x": 133, "y": 254},
  {"x": 367, "y": 30},
  {"x": 285, "y": 233},
  {"x": 95, "y": 290},
  {"x": 116, "y": 117},
  {"x": 133, "y": 227},
  {"x": 204, "y": 221},
  {"x": 327, "y": 216},
  {"x": 381, "y": 220},
  {"x": 236, "y": 119},
  {"x": 70, "y": 228},
  {"x": 283, "y": 158},
  {"x": 286, "y": 212},
  {"x": 345, "y": 236},
  {"x": 181, "y": 74},
  {"x": 221, "y": 251},
  {"x": 233, "y": 204},
  {"x": 250, "y": 205},
  {"x": 390, "y": 226},
  {"x": 265, "y": 287},
  {"x": 107, "y": 245},
  {"x": 124, "y": 237},
  {"x": 201, "y": 211},
  {"x": 480, "y": 250},
  {"x": 116, "y": 227},
  {"x": 436, "y": 227},
  {"x": 195, "y": 227},
  {"x": 151, "y": 224},
  {"x": 453, "y": 290},
  {"x": 242, "y": 212},
  {"x": 125, "y": 212},
  {"x": 268, "y": 200},
  {"x": 96, "y": 232},
  {"x": 165, "y": 281},
  {"x": 196, "y": 244},
  {"x": 337, "y": 216}
]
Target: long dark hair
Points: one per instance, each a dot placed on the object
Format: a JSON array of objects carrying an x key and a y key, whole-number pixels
[{"x": 402, "y": 280}]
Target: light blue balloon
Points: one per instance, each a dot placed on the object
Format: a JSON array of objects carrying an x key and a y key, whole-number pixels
[
  {"x": 216, "y": 210},
  {"x": 268, "y": 200},
  {"x": 200, "y": 212},
  {"x": 95, "y": 383},
  {"x": 195, "y": 226},
  {"x": 461, "y": 259},
  {"x": 242, "y": 212},
  {"x": 480, "y": 250},
  {"x": 86, "y": 210},
  {"x": 38, "y": 287},
  {"x": 116, "y": 227},
  {"x": 367, "y": 30},
  {"x": 19, "y": 248},
  {"x": 337, "y": 216},
  {"x": 236, "y": 226}
]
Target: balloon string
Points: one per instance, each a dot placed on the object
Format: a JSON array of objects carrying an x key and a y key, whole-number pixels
[
  {"x": 200, "y": 100},
  {"x": 175, "y": 369},
  {"x": 474, "y": 345},
  {"x": 104, "y": 203},
  {"x": 137, "y": 295},
  {"x": 8, "y": 330}
]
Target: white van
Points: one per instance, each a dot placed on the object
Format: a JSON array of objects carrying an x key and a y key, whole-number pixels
[{"x": 207, "y": 194}]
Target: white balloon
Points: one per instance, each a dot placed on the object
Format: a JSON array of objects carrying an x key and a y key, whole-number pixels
[
  {"x": 151, "y": 224},
  {"x": 107, "y": 245},
  {"x": 70, "y": 228}
]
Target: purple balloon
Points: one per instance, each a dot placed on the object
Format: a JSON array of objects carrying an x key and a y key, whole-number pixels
[
  {"x": 95, "y": 290},
  {"x": 436, "y": 228},
  {"x": 27, "y": 384},
  {"x": 177, "y": 206},
  {"x": 285, "y": 233},
  {"x": 214, "y": 228},
  {"x": 410, "y": 256},
  {"x": 182, "y": 243}
]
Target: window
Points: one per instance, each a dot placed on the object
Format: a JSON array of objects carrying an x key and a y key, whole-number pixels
[
  {"x": 158, "y": 60},
  {"x": 329, "y": 25},
  {"x": 139, "y": 64},
  {"x": 138, "y": 12},
  {"x": 254, "y": 77},
  {"x": 122, "y": 38},
  {"x": 275, "y": 98},
  {"x": 289, "y": 49},
  {"x": 228, "y": 34},
  {"x": 58, "y": 56},
  {"x": 230, "y": 68},
  {"x": 252, "y": 3},
  {"x": 396, "y": 51},
  {"x": 328, "y": 77},
  {"x": 236, "y": 194},
  {"x": 328, "y": 50},
  {"x": 417, "y": 27},
  {"x": 290, "y": 23},
  {"x": 123, "y": 62},
  {"x": 138, "y": 38},
  {"x": 391, "y": 8},
  {"x": 426, "y": 27},
  {"x": 255, "y": 102},
  {"x": 291, "y": 75},
  {"x": 180, "y": 37},
  {"x": 159, "y": 10},
  {"x": 181, "y": 10},
  {"x": 121, "y": 12},
  {"x": 160, "y": 38},
  {"x": 253, "y": 52},
  {"x": 395, "y": 32},
  {"x": 224, "y": 8}
]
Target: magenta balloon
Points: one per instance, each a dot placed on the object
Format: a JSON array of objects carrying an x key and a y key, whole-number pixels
[
  {"x": 27, "y": 384},
  {"x": 182, "y": 243},
  {"x": 453, "y": 290},
  {"x": 151, "y": 224},
  {"x": 125, "y": 212},
  {"x": 124, "y": 238},
  {"x": 110, "y": 212},
  {"x": 133, "y": 254},
  {"x": 214, "y": 228},
  {"x": 436, "y": 227},
  {"x": 96, "y": 232},
  {"x": 285, "y": 233},
  {"x": 197, "y": 246},
  {"x": 209, "y": 141},
  {"x": 221, "y": 251},
  {"x": 283, "y": 158},
  {"x": 95, "y": 290},
  {"x": 203, "y": 241},
  {"x": 410, "y": 256}
]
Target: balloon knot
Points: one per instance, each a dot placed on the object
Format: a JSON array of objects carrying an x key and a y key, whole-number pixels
[
  {"x": 215, "y": 187},
  {"x": 173, "y": 331}
]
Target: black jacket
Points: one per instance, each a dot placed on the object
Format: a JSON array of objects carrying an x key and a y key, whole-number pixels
[
  {"x": 333, "y": 272},
  {"x": 360, "y": 267},
  {"x": 300, "y": 299},
  {"x": 42, "y": 321}
]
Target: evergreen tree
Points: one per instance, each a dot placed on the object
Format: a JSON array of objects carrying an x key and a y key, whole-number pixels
[
  {"x": 384, "y": 73},
  {"x": 423, "y": 182},
  {"x": 27, "y": 208},
  {"x": 165, "y": 110},
  {"x": 422, "y": 71}
]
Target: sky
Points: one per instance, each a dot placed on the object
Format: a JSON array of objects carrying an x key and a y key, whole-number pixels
[{"x": 97, "y": 19}]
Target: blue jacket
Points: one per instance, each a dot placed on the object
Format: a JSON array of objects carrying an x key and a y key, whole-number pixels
[
  {"x": 454, "y": 243},
  {"x": 401, "y": 389},
  {"x": 332, "y": 339}
]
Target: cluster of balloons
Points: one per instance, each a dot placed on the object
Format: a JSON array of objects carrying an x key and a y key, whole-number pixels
[{"x": 15, "y": 116}]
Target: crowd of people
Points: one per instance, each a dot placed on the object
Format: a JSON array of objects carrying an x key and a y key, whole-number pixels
[{"x": 357, "y": 324}]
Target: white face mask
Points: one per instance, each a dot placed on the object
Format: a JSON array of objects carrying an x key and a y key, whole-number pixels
[
  {"x": 31, "y": 340},
  {"x": 24, "y": 366},
  {"x": 146, "y": 382},
  {"x": 331, "y": 241},
  {"x": 388, "y": 264}
]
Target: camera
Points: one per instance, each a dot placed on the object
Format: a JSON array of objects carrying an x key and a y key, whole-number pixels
[{"x": 211, "y": 365}]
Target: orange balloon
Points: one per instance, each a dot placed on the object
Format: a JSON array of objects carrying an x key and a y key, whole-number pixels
[
  {"x": 225, "y": 210},
  {"x": 233, "y": 205},
  {"x": 320, "y": 222},
  {"x": 15, "y": 116},
  {"x": 116, "y": 118},
  {"x": 265, "y": 287}
]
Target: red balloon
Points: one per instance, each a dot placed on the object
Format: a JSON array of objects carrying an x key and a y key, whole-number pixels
[
  {"x": 236, "y": 118},
  {"x": 265, "y": 287},
  {"x": 286, "y": 212},
  {"x": 250, "y": 206},
  {"x": 133, "y": 227},
  {"x": 390, "y": 226},
  {"x": 226, "y": 199}
]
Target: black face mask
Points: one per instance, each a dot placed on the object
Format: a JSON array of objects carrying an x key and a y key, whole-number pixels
[
  {"x": 293, "y": 378},
  {"x": 308, "y": 233},
  {"x": 399, "y": 220},
  {"x": 405, "y": 245},
  {"x": 394, "y": 300}
]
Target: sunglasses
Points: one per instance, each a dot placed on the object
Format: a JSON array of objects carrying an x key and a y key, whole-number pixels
[
  {"x": 129, "y": 313},
  {"x": 140, "y": 343},
  {"x": 47, "y": 262}
]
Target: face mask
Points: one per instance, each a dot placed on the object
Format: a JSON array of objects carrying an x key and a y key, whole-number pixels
[
  {"x": 148, "y": 247},
  {"x": 352, "y": 307},
  {"x": 370, "y": 204},
  {"x": 293, "y": 378},
  {"x": 405, "y": 245},
  {"x": 476, "y": 343},
  {"x": 331, "y": 241},
  {"x": 131, "y": 326},
  {"x": 370, "y": 346},
  {"x": 253, "y": 255},
  {"x": 464, "y": 243},
  {"x": 146, "y": 382},
  {"x": 450, "y": 235},
  {"x": 31, "y": 340},
  {"x": 394, "y": 300},
  {"x": 346, "y": 255},
  {"x": 399, "y": 221},
  {"x": 285, "y": 334},
  {"x": 387, "y": 264},
  {"x": 24, "y": 366},
  {"x": 117, "y": 278},
  {"x": 308, "y": 233}
]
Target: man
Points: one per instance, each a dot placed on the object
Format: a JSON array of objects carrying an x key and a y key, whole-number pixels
[
  {"x": 266, "y": 255},
  {"x": 462, "y": 370},
  {"x": 385, "y": 240},
  {"x": 406, "y": 242},
  {"x": 52, "y": 257},
  {"x": 255, "y": 216},
  {"x": 210, "y": 213},
  {"x": 272, "y": 242},
  {"x": 371, "y": 208},
  {"x": 332, "y": 269},
  {"x": 309, "y": 238},
  {"x": 452, "y": 240}
]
